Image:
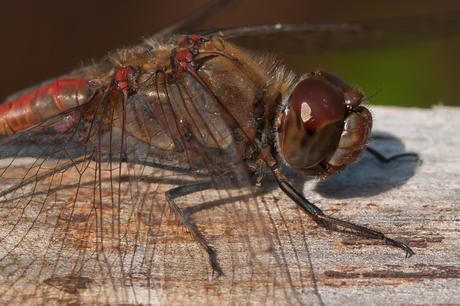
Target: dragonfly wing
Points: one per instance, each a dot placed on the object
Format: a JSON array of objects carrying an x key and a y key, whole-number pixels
[
  {"x": 196, "y": 135},
  {"x": 57, "y": 226},
  {"x": 315, "y": 38},
  {"x": 84, "y": 213}
]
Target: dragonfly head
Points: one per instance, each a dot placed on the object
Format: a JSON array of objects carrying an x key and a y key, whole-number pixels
[{"x": 322, "y": 127}]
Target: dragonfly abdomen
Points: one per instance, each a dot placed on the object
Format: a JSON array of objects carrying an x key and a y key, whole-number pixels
[{"x": 43, "y": 103}]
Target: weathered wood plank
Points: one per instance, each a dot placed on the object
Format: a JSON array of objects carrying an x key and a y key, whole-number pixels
[
  {"x": 410, "y": 201},
  {"x": 418, "y": 202}
]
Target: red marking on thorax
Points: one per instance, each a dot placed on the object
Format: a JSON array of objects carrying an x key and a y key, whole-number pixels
[
  {"x": 122, "y": 75},
  {"x": 185, "y": 56}
]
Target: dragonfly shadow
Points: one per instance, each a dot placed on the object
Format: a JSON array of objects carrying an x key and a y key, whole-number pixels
[
  {"x": 369, "y": 176},
  {"x": 189, "y": 211},
  {"x": 365, "y": 178}
]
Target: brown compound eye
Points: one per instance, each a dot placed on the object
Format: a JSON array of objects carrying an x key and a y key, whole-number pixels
[{"x": 313, "y": 124}]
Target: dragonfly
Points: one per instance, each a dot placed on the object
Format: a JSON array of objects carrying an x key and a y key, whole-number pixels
[{"x": 92, "y": 161}]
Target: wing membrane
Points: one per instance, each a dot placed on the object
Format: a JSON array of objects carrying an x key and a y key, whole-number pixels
[
  {"x": 311, "y": 38},
  {"x": 84, "y": 212}
]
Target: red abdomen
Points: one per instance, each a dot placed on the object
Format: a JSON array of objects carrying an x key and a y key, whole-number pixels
[{"x": 43, "y": 103}]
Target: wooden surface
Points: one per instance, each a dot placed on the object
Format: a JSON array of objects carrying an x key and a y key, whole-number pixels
[
  {"x": 411, "y": 201},
  {"x": 418, "y": 202}
]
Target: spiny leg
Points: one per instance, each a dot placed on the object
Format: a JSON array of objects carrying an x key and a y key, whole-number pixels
[
  {"x": 180, "y": 191},
  {"x": 320, "y": 218}
]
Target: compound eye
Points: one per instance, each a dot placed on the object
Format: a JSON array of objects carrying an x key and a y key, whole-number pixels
[
  {"x": 318, "y": 102},
  {"x": 314, "y": 124}
]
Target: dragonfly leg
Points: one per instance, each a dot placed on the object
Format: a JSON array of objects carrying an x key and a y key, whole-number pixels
[
  {"x": 333, "y": 223},
  {"x": 384, "y": 159},
  {"x": 180, "y": 191}
]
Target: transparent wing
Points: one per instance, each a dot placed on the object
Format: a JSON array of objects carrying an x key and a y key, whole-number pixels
[
  {"x": 311, "y": 38},
  {"x": 196, "y": 133},
  {"x": 315, "y": 38},
  {"x": 85, "y": 213},
  {"x": 60, "y": 204}
]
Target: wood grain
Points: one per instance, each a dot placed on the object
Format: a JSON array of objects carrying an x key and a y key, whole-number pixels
[{"x": 416, "y": 202}]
